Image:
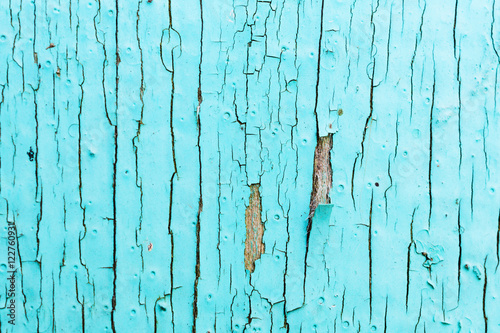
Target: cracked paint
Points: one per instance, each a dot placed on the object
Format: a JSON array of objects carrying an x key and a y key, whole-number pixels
[{"x": 150, "y": 149}]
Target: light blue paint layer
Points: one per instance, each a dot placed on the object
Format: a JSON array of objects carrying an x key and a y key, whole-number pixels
[{"x": 131, "y": 131}]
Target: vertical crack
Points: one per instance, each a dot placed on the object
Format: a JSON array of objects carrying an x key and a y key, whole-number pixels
[
  {"x": 454, "y": 29},
  {"x": 370, "y": 115},
  {"x": 343, "y": 305},
  {"x": 418, "y": 39},
  {"x": 218, "y": 207},
  {"x": 397, "y": 137},
  {"x": 495, "y": 50},
  {"x": 200, "y": 202},
  {"x": 319, "y": 66},
  {"x": 498, "y": 242},
  {"x": 287, "y": 327},
  {"x": 105, "y": 60},
  {"x": 408, "y": 259},
  {"x": 82, "y": 304},
  {"x": 80, "y": 181},
  {"x": 431, "y": 146},
  {"x": 115, "y": 161},
  {"x": 136, "y": 138},
  {"x": 411, "y": 77},
  {"x": 372, "y": 85},
  {"x": 35, "y": 91},
  {"x": 1, "y": 103},
  {"x": 172, "y": 135},
  {"x": 485, "y": 135},
  {"x": 472, "y": 194},
  {"x": 387, "y": 189},
  {"x": 352, "y": 181},
  {"x": 491, "y": 30},
  {"x": 459, "y": 80},
  {"x": 419, "y": 315},
  {"x": 54, "y": 326},
  {"x": 385, "y": 314},
  {"x": 388, "y": 44},
  {"x": 443, "y": 309}
]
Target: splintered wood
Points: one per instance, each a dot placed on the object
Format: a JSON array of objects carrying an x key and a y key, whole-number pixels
[
  {"x": 322, "y": 174},
  {"x": 254, "y": 246}
]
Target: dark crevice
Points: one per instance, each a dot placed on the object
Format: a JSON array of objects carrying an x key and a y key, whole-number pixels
[
  {"x": 485, "y": 317},
  {"x": 200, "y": 202},
  {"x": 431, "y": 120},
  {"x": 472, "y": 194},
  {"x": 343, "y": 305},
  {"x": 285, "y": 318},
  {"x": 454, "y": 29},
  {"x": 459, "y": 80},
  {"x": 388, "y": 44},
  {"x": 319, "y": 67},
  {"x": 443, "y": 310},
  {"x": 172, "y": 177},
  {"x": 385, "y": 313},
  {"x": 82, "y": 304},
  {"x": 352, "y": 180},
  {"x": 408, "y": 263},
  {"x": 386, "y": 207},
  {"x": 459, "y": 226},
  {"x": 115, "y": 161},
  {"x": 371, "y": 76},
  {"x": 498, "y": 242},
  {"x": 419, "y": 315}
]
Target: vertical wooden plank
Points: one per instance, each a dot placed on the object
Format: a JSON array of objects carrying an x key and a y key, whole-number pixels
[
  {"x": 142, "y": 239},
  {"x": 95, "y": 147},
  {"x": 18, "y": 133},
  {"x": 182, "y": 55}
]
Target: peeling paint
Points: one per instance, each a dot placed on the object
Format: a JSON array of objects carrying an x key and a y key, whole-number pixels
[
  {"x": 357, "y": 140},
  {"x": 254, "y": 246}
]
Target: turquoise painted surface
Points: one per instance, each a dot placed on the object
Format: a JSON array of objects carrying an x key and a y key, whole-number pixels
[{"x": 131, "y": 132}]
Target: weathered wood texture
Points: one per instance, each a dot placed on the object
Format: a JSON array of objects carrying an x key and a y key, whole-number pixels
[{"x": 135, "y": 134}]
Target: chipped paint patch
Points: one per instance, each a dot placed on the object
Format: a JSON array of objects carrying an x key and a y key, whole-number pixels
[
  {"x": 254, "y": 246},
  {"x": 322, "y": 174}
]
